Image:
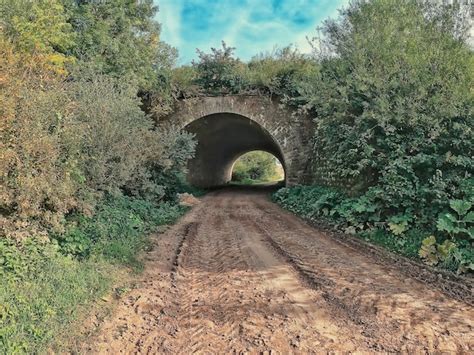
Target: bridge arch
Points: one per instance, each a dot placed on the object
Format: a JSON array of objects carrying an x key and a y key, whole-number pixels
[{"x": 228, "y": 126}]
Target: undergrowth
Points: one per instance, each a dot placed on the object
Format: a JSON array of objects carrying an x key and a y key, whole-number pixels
[
  {"x": 445, "y": 243},
  {"x": 47, "y": 282}
]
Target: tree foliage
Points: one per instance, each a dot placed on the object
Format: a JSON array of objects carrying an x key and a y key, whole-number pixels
[
  {"x": 394, "y": 106},
  {"x": 73, "y": 131},
  {"x": 39, "y": 29},
  {"x": 119, "y": 38}
]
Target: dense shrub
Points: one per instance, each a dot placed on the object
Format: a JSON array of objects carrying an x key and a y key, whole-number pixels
[
  {"x": 167, "y": 170},
  {"x": 184, "y": 82},
  {"x": 219, "y": 72},
  {"x": 64, "y": 143},
  {"x": 120, "y": 141},
  {"x": 281, "y": 72},
  {"x": 70, "y": 142},
  {"x": 33, "y": 170},
  {"x": 393, "y": 109}
]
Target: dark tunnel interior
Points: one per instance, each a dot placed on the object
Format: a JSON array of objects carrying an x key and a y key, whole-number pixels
[{"x": 222, "y": 138}]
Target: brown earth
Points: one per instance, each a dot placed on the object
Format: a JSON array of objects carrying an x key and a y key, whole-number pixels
[{"x": 240, "y": 275}]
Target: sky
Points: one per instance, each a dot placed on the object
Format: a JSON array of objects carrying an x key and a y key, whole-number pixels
[{"x": 252, "y": 26}]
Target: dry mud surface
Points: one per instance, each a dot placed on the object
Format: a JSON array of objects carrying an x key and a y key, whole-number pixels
[{"x": 240, "y": 275}]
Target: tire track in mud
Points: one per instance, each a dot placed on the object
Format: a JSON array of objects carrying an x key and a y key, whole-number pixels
[
  {"x": 415, "y": 317},
  {"x": 239, "y": 275},
  {"x": 335, "y": 305},
  {"x": 206, "y": 271},
  {"x": 190, "y": 231},
  {"x": 214, "y": 268},
  {"x": 310, "y": 326},
  {"x": 457, "y": 287}
]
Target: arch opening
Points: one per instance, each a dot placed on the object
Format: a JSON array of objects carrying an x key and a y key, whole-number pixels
[
  {"x": 257, "y": 168},
  {"x": 223, "y": 138}
]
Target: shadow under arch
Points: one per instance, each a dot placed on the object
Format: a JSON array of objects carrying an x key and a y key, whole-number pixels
[{"x": 222, "y": 138}]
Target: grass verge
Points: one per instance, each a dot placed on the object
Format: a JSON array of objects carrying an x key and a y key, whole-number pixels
[{"x": 48, "y": 284}]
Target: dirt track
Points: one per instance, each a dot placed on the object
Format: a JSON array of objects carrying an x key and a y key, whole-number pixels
[{"x": 238, "y": 274}]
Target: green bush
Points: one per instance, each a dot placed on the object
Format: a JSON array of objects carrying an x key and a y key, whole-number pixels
[
  {"x": 282, "y": 72},
  {"x": 219, "y": 72},
  {"x": 396, "y": 232},
  {"x": 117, "y": 231},
  {"x": 184, "y": 82},
  {"x": 167, "y": 172},
  {"x": 395, "y": 111}
]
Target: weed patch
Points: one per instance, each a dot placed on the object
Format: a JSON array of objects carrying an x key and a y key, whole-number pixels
[
  {"x": 46, "y": 284},
  {"x": 445, "y": 243}
]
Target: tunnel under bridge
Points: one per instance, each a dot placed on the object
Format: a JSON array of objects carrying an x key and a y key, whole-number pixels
[{"x": 226, "y": 127}]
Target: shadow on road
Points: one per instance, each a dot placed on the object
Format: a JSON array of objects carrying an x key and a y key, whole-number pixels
[{"x": 267, "y": 187}]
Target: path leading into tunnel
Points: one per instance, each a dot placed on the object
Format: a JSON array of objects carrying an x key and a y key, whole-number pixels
[{"x": 240, "y": 275}]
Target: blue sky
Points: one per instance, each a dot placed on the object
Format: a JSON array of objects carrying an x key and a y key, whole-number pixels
[{"x": 252, "y": 26}]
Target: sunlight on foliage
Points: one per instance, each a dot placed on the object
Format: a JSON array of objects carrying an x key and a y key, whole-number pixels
[{"x": 257, "y": 166}]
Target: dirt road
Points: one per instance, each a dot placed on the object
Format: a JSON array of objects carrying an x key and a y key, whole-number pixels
[{"x": 240, "y": 275}]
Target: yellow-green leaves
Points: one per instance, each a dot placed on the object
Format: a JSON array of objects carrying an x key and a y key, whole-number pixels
[
  {"x": 398, "y": 228},
  {"x": 434, "y": 253},
  {"x": 39, "y": 28},
  {"x": 41, "y": 25}
]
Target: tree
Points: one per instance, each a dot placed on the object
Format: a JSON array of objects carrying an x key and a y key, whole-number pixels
[
  {"x": 38, "y": 29},
  {"x": 118, "y": 38}
]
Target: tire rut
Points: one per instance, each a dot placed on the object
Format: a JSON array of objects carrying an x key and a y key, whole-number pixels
[
  {"x": 396, "y": 307},
  {"x": 239, "y": 275}
]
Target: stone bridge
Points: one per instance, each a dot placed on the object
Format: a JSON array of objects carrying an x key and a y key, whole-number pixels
[{"x": 226, "y": 127}]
